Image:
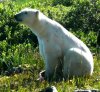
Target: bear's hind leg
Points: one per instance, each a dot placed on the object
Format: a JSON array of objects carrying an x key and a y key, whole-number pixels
[{"x": 77, "y": 63}]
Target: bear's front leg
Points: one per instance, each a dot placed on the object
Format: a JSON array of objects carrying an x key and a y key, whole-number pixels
[
  {"x": 50, "y": 67},
  {"x": 49, "y": 73},
  {"x": 51, "y": 59},
  {"x": 41, "y": 76},
  {"x": 53, "y": 68}
]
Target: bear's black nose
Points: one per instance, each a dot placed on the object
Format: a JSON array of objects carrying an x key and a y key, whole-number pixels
[{"x": 17, "y": 18}]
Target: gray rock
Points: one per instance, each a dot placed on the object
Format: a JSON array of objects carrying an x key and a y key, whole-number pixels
[
  {"x": 50, "y": 89},
  {"x": 95, "y": 90}
]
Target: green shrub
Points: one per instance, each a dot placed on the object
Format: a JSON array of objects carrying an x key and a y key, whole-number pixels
[
  {"x": 12, "y": 34},
  {"x": 85, "y": 15},
  {"x": 78, "y": 16},
  {"x": 82, "y": 15},
  {"x": 11, "y": 31},
  {"x": 63, "y": 2}
]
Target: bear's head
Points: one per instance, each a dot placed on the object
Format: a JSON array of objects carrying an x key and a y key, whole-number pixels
[{"x": 27, "y": 16}]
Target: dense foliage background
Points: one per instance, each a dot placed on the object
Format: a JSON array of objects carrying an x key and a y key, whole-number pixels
[
  {"x": 19, "y": 46},
  {"x": 81, "y": 17}
]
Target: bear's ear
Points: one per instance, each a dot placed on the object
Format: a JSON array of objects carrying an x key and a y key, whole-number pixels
[{"x": 37, "y": 13}]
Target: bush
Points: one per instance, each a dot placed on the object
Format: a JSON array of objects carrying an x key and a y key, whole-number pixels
[
  {"x": 82, "y": 15},
  {"x": 10, "y": 31},
  {"x": 78, "y": 16},
  {"x": 63, "y": 2},
  {"x": 85, "y": 15},
  {"x": 13, "y": 36}
]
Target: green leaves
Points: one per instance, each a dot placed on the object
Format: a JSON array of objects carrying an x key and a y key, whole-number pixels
[{"x": 78, "y": 16}]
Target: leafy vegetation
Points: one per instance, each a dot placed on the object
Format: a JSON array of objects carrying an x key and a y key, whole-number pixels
[{"x": 18, "y": 45}]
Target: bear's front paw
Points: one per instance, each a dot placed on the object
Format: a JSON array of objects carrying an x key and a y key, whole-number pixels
[{"x": 41, "y": 76}]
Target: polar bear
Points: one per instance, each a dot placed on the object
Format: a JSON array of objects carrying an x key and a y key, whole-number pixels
[{"x": 63, "y": 53}]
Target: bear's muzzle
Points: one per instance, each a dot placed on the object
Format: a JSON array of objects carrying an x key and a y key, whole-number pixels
[{"x": 18, "y": 18}]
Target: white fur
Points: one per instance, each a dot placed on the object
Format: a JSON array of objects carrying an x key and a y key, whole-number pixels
[{"x": 56, "y": 43}]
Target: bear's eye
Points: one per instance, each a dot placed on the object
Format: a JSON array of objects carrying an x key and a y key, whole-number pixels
[{"x": 25, "y": 12}]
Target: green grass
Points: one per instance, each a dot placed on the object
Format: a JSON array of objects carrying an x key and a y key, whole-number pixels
[{"x": 26, "y": 81}]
